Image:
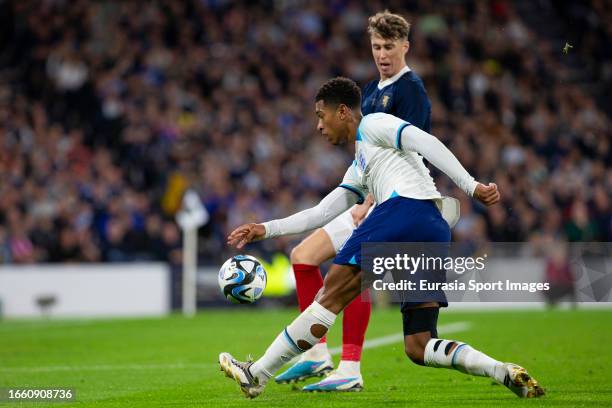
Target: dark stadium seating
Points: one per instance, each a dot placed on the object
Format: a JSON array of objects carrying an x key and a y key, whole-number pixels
[{"x": 108, "y": 110}]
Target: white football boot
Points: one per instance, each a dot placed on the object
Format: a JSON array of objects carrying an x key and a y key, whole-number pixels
[
  {"x": 346, "y": 378},
  {"x": 239, "y": 371},
  {"x": 519, "y": 381},
  {"x": 336, "y": 382}
]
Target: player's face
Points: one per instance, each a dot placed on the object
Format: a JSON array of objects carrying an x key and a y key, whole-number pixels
[
  {"x": 331, "y": 122},
  {"x": 389, "y": 55}
]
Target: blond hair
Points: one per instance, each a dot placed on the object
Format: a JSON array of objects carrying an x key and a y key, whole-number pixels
[{"x": 388, "y": 25}]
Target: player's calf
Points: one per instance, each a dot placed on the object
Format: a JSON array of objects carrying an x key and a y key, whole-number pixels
[
  {"x": 342, "y": 284},
  {"x": 414, "y": 347}
]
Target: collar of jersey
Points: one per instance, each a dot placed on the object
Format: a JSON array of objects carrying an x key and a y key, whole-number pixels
[{"x": 387, "y": 82}]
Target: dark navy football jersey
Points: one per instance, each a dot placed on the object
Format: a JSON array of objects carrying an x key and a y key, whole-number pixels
[{"x": 404, "y": 97}]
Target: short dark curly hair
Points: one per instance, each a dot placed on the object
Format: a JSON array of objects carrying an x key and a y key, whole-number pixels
[{"x": 338, "y": 91}]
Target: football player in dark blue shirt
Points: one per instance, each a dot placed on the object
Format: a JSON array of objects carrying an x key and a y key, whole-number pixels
[{"x": 399, "y": 92}]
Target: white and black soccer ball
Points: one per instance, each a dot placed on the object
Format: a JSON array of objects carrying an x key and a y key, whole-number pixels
[{"x": 242, "y": 279}]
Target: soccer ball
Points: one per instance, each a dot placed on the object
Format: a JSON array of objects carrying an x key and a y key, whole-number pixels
[{"x": 242, "y": 279}]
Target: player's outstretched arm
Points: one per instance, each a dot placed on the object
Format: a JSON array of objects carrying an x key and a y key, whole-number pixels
[
  {"x": 336, "y": 202},
  {"x": 428, "y": 146},
  {"x": 246, "y": 233}
]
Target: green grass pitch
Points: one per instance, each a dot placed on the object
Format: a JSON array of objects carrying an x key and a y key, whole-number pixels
[{"x": 172, "y": 361}]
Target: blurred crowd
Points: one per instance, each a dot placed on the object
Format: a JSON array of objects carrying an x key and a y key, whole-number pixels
[{"x": 110, "y": 110}]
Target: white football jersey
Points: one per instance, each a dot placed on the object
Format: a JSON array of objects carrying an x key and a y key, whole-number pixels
[{"x": 382, "y": 167}]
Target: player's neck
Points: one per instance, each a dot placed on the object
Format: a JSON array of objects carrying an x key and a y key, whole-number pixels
[{"x": 354, "y": 125}]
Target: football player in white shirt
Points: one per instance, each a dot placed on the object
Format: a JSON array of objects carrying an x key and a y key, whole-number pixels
[
  {"x": 400, "y": 92},
  {"x": 388, "y": 163}
]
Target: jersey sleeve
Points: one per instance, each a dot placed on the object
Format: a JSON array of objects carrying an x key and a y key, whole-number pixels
[
  {"x": 413, "y": 139},
  {"x": 331, "y": 206},
  {"x": 413, "y": 106},
  {"x": 382, "y": 129},
  {"x": 352, "y": 183}
]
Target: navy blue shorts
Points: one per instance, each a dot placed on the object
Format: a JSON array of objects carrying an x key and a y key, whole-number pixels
[{"x": 398, "y": 219}]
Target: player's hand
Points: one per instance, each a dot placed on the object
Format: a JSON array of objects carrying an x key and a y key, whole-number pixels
[
  {"x": 488, "y": 195},
  {"x": 360, "y": 211},
  {"x": 246, "y": 233}
]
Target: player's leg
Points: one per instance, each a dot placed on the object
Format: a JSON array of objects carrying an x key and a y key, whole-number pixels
[
  {"x": 423, "y": 347},
  {"x": 317, "y": 248},
  {"x": 347, "y": 377},
  {"x": 355, "y": 316},
  {"x": 320, "y": 246},
  {"x": 341, "y": 285},
  {"x": 420, "y": 320},
  {"x": 306, "y": 257}
]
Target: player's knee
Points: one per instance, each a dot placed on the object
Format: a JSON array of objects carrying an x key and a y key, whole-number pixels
[
  {"x": 419, "y": 327},
  {"x": 302, "y": 254}
]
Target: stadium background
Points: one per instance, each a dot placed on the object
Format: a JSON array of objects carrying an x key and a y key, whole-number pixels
[{"x": 109, "y": 110}]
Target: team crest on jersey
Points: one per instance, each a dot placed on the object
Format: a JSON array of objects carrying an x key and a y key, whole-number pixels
[
  {"x": 361, "y": 161},
  {"x": 385, "y": 101}
]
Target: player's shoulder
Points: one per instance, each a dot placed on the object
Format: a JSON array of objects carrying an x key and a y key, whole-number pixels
[
  {"x": 373, "y": 124},
  {"x": 410, "y": 82},
  {"x": 374, "y": 118},
  {"x": 410, "y": 78}
]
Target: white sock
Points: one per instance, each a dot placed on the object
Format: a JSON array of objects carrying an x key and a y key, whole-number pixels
[
  {"x": 463, "y": 358},
  {"x": 348, "y": 368},
  {"x": 318, "y": 352},
  {"x": 296, "y": 338}
]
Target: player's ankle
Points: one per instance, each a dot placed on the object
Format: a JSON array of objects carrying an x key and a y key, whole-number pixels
[
  {"x": 260, "y": 373},
  {"x": 499, "y": 372},
  {"x": 318, "y": 352},
  {"x": 349, "y": 368}
]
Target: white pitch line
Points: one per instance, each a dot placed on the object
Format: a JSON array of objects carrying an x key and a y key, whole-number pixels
[
  {"x": 399, "y": 337},
  {"x": 106, "y": 367},
  {"x": 373, "y": 343}
]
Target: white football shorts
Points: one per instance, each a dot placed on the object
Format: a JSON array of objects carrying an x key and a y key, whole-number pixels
[{"x": 340, "y": 229}]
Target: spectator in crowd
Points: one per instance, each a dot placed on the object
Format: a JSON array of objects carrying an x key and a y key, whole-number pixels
[{"x": 110, "y": 110}]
